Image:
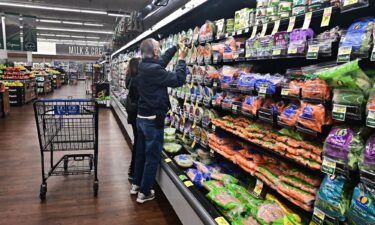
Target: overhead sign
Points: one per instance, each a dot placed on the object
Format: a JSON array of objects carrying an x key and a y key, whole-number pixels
[
  {"x": 13, "y": 32},
  {"x": 83, "y": 50},
  {"x": 29, "y": 34}
]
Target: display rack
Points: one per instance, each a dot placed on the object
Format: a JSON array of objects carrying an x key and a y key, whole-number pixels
[
  {"x": 20, "y": 95},
  {"x": 44, "y": 83},
  {"x": 56, "y": 81}
]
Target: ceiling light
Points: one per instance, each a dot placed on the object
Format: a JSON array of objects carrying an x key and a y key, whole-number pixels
[
  {"x": 35, "y": 6},
  {"x": 49, "y": 21},
  {"x": 92, "y": 37},
  {"x": 118, "y": 15},
  {"x": 75, "y": 30},
  {"x": 73, "y": 23},
  {"x": 62, "y": 35},
  {"x": 93, "y": 24},
  {"x": 77, "y": 36},
  {"x": 48, "y": 35}
]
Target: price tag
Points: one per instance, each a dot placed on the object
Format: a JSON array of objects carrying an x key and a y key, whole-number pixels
[
  {"x": 344, "y": 54},
  {"x": 313, "y": 52},
  {"x": 188, "y": 183},
  {"x": 339, "y": 112},
  {"x": 285, "y": 91},
  {"x": 350, "y": 2},
  {"x": 247, "y": 30},
  {"x": 191, "y": 84},
  {"x": 264, "y": 30},
  {"x": 239, "y": 32},
  {"x": 307, "y": 21},
  {"x": 318, "y": 216},
  {"x": 262, "y": 91},
  {"x": 328, "y": 166},
  {"x": 212, "y": 153},
  {"x": 258, "y": 187},
  {"x": 292, "y": 50},
  {"x": 168, "y": 160},
  {"x": 227, "y": 35},
  {"x": 276, "y": 27},
  {"x": 276, "y": 52},
  {"x": 255, "y": 28},
  {"x": 221, "y": 221},
  {"x": 214, "y": 84},
  {"x": 292, "y": 22},
  {"x": 373, "y": 54},
  {"x": 370, "y": 121},
  {"x": 193, "y": 144},
  {"x": 182, "y": 177},
  {"x": 326, "y": 17},
  {"x": 213, "y": 128},
  {"x": 213, "y": 102},
  {"x": 234, "y": 107}
]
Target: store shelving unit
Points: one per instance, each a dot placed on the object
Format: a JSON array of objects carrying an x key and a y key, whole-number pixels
[
  {"x": 44, "y": 84},
  {"x": 20, "y": 95},
  {"x": 225, "y": 9}
]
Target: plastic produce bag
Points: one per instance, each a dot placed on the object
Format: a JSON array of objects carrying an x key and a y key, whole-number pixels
[
  {"x": 211, "y": 185},
  {"x": 334, "y": 196},
  {"x": 196, "y": 177},
  {"x": 362, "y": 207},
  {"x": 224, "y": 198},
  {"x": 226, "y": 179},
  {"x": 268, "y": 212}
]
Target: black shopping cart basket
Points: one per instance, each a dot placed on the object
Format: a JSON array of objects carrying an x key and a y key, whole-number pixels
[{"x": 68, "y": 125}]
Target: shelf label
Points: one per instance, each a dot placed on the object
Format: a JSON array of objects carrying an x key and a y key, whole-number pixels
[
  {"x": 264, "y": 30},
  {"x": 193, "y": 144},
  {"x": 328, "y": 166},
  {"x": 292, "y": 22},
  {"x": 292, "y": 50},
  {"x": 212, "y": 153},
  {"x": 276, "y": 52},
  {"x": 326, "y": 17},
  {"x": 221, "y": 221},
  {"x": 214, "y": 84},
  {"x": 255, "y": 28},
  {"x": 339, "y": 112},
  {"x": 239, "y": 32},
  {"x": 313, "y": 52},
  {"x": 247, "y": 30},
  {"x": 276, "y": 27},
  {"x": 373, "y": 54},
  {"x": 262, "y": 91},
  {"x": 307, "y": 21},
  {"x": 318, "y": 216},
  {"x": 182, "y": 177},
  {"x": 285, "y": 91},
  {"x": 349, "y": 2},
  {"x": 370, "y": 121},
  {"x": 168, "y": 160},
  {"x": 344, "y": 54},
  {"x": 213, "y": 127},
  {"x": 234, "y": 107},
  {"x": 258, "y": 187},
  {"x": 188, "y": 183}
]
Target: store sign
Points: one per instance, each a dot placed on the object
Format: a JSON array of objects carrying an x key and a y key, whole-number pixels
[
  {"x": 13, "y": 32},
  {"x": 79, "y": 50},
  {"x": 29, "y": 34}
]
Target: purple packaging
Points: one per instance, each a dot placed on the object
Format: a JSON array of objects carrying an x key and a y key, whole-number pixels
[
  {"x": 369, "y": 153},
  {"x": 299, "y": 38},
  {"x": 338, "y": 142}
]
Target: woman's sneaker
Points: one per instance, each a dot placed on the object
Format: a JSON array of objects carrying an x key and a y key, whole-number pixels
[
  {"x": 134, "y": 190},
  {"x": 143, "y": 198}
]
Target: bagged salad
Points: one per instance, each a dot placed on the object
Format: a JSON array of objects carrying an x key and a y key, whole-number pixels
[{"x": 362, "y": 207}]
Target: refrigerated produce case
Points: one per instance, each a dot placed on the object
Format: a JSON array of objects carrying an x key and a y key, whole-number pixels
[{"x": 292, "y": 120}]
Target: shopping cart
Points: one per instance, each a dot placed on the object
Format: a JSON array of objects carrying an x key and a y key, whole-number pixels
[{"x": 68, "y": 125}]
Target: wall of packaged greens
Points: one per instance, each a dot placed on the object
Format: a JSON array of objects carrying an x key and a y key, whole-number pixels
[{"x": 275, "y": 122}]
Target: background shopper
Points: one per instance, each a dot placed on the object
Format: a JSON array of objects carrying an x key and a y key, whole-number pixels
[
  {"x": 132, "y": 107},
  {"x": 153, "y": 80}
]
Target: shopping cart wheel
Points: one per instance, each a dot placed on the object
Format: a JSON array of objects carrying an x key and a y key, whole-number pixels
[
  {"x": 43, "y": 191},
  {"x": 96, "y": 188}
]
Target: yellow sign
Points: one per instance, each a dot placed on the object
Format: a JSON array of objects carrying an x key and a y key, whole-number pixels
[
  {"x": 258, "y": 187},
  {"x": 276, "y": 27},
  {"x": 221, "y": 221},
  {"x": 292, "y": 22},
  {"x": 188, "y": 183},
  {"x": 276, "y": 52},
  {"x": 306, "y": 23},
  {"x": 326, "y": 17},
  {"x": 168, "y": 160}
]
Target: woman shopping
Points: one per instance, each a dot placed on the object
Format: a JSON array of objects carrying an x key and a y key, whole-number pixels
[{"x": 131, "y": 106}]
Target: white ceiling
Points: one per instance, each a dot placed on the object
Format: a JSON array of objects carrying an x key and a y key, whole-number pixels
[{"x": 116, "y": 6}]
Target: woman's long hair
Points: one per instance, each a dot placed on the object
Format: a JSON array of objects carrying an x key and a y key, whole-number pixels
[{"x": 132, "y": 70}]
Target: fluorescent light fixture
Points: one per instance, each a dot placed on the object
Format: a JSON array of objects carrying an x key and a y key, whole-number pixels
[
  {"x": 49, "y": 21},
  {"x": 93, "y": 24},
  {"x": 73, "y": 23},
  {"x": 35, "y": 6},
  {"x": 77, "y": 36},
  {"x": 88, "y": 37},
  {"x": 118, "y": 14},
  {"x": 47, "y": 35},
  {"x": 75, "y": 30},
  {"x": 62, "y": 35},
  {"x": 172, "y": 17}
]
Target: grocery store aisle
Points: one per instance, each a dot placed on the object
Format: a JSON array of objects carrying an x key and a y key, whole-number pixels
[{"x": 70, "y": 199}]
